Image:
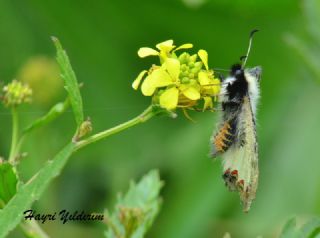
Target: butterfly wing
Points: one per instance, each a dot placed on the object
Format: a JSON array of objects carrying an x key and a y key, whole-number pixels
[{"x": 240, "y": 161}]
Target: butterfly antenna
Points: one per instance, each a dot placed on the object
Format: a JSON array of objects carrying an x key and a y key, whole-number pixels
[{"x": 245, "y": 57}]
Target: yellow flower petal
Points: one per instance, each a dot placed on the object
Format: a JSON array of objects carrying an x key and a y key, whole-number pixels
[
  {"x": 173, "y": 68},
  {"x": 184, "y": 46},
  {"x": 160, "y": 78},
  {"x": 204, "y": 78},
  {"x": 169, "y": 98},
  {"x": 207, "y": 103},
  {"x": 165, "y": 46},
  {"x": 216, "y": 86},
  {"x": 204, "y": 57},
  {"x": 146, "y": 51},
  {"x": 190, "y": 92},
  {"x": 137, "y": 81},
  {"x": 147, "y": 87}
]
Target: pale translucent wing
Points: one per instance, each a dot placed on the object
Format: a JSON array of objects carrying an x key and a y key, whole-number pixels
[{"x": 241, "y": 160}]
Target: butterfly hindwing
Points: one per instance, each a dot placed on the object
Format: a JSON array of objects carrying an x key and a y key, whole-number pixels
[{"x": 240, "y": 162}]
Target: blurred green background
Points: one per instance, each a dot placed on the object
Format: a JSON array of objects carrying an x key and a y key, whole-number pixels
[{"x": 102, "y": 39}]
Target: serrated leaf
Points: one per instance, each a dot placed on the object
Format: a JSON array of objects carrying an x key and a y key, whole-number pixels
[
  {"x": 70, "y": 81},
  {"x": 53, "y": 113},
  {"x": 136, "y": 211},
  {"x": 8, "y": 182},
  {"x": 12, "y": 213}
]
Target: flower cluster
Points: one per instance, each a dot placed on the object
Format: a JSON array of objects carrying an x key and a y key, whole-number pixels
[
  {"x": 16, "y": 93},
  {"x": 180, "y": 81}
]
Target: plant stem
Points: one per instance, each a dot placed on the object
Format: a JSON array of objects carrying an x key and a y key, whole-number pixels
[
  {"x": 15, "y": 131},
  {"x": 144, "y": 116},
  {"x": 30, "y": 229}
]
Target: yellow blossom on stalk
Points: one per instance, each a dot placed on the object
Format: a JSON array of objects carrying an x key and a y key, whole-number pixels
[
  {"x": 180, "y": 80},
  {"x": 16, "y": 93}
]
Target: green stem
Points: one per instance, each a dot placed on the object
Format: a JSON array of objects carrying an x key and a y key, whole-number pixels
[
  {"x": 15, "y": 131},
  {"x": 145, "y": 116},
  {"x": 30, "y": 229}
]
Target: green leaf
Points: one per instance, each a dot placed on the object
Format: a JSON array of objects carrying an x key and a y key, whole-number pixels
[
  {"x": 8, "y": 182},
  {"x": 136, "y": 211},
  {"x": 70, "y": 81},
  {"x": 54, "y": 113},
  {"x": 309, "y": 230},
  {"x": 12, "y": 213}
]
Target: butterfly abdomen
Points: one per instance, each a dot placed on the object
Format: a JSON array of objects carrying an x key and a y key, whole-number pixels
[{"x": 224, "y": 138}]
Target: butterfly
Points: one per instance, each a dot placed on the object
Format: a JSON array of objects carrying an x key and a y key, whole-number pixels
[{"x": 235, "y": 140}]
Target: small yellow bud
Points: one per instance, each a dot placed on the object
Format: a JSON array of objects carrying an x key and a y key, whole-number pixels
[
  {"x": 198, "y": 65},
  {"x": 16, "y": 93},
  {"x": 191, "y": 75},
  {"x": 184, "y": 57},
  {"x": 191, "y": 64},
  {"x": 193, "y": 58},
  {"x": 185, "y": 80},
  {"x": 195, "y": 71},
  {"x": 184, "y": 67}
]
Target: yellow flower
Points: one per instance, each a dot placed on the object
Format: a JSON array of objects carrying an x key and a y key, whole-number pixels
[
  {"x": 180, "y": 81},
  {"x": 168, "y": 75}
]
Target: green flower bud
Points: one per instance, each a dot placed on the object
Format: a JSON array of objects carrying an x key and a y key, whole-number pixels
[
  {"x": 193, "y": 58},
  {"x": 185, "y": 80},
  {"x": 191, "y": 75},
  {"x": 191, "y": 64},
  {"x": 195, "y": 71},
  {"x": 193, "y": 82},
  {"x": 184, "y": 74},
  {"x": 198, "y": 65},
  {"x": 184, "y": 57},
  {"x": 183, "y": 67}
]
